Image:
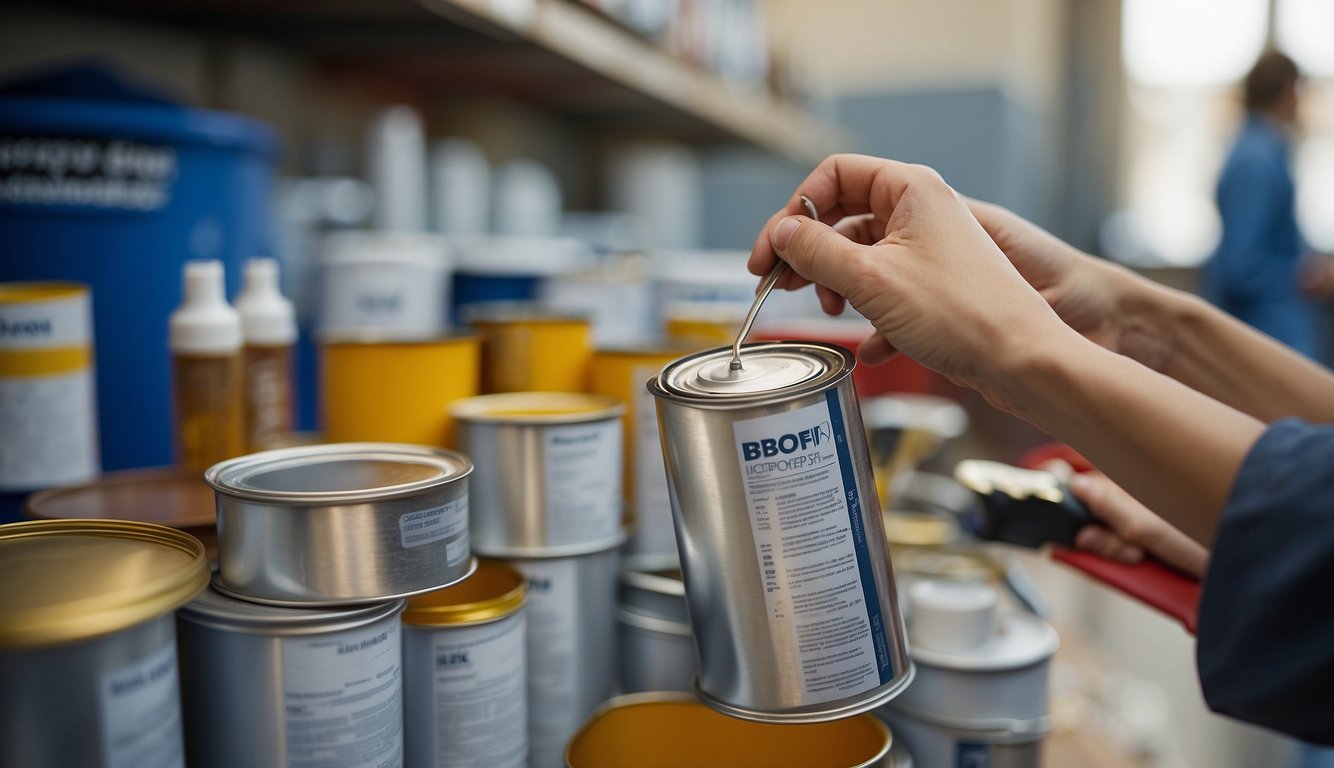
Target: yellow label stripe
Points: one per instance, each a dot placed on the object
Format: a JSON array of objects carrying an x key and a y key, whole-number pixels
[{"x": 43, "y": 362}]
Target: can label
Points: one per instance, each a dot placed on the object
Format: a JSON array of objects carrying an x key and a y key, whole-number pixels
[
  {"x": 447, "y": 522},
  {"x": 810, "y": 543},
  {"x": 554, "y": 670},
  {"x": 480, "y": 695},
  {"x": 47, "y": 411},
  {"x": 342, "y": 698},
  {"x": 141, "y": 713},
  {"x": 972, "y": 755},
  {"x": 653, "y": 501},
  {"x": 583, "y": 482}
]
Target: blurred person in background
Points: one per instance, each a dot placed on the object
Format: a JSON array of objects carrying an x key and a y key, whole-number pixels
[
  {"x": 1226, "y": 433},
  {"x": 1256, "y": 273}
]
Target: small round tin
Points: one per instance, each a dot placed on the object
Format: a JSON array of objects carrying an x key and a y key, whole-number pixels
[
  {"x": 548, "y": 477},
  {"x": 465, "y": 673},
  {"x": 271, "y": 685},
  {"x": 342, "y": 523},
  {"x": 786, "y": 566},
  {"x": 88, "y": 643}
]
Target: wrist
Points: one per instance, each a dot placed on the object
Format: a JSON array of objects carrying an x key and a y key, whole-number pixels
[
  {"x": 1039, "y": 364},
  {"x": 1147, "y": 316}
]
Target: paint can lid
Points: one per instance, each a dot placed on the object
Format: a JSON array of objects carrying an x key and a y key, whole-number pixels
[
  {"x": 72, "y": 580},
  {"x": 769, "y": 369},
  {"x": 216, "y": 608},
  {"x": 338, "y": 473},
  {"x": 536, "y": 408},
  {"x": 495, "y": 591},
  {"x": 165, "y": 495}
]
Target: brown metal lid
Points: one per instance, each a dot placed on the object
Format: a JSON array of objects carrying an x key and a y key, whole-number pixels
[
  {"x": 496, "y": 590},
  {"x": 72, "y": 580},
  {"x": 168, "y": 495},
  {"x": 769, "y": 369}
]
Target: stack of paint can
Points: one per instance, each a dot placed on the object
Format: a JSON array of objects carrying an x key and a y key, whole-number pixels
[
  {"x": 981, "y": 692},
  {"x": 546, "y": 498},
  {"x": 294, "y": 655}
]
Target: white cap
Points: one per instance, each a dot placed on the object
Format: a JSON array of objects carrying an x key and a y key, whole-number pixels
[
  {"x": 266, "y": 317},
  {"x": 204, "y": 323},
  {"x": 952, "y": 616}
]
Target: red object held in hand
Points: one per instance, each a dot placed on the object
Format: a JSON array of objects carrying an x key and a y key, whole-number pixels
[{"x": 1151, "y": 582}]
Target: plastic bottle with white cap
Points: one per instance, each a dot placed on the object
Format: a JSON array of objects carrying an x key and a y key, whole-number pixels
[
  {"x": 205, "y": 341},
  {"x": 268, "y": 327}
]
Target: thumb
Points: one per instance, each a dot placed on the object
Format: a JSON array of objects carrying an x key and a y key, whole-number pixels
[{"x": 818, "y": 253}]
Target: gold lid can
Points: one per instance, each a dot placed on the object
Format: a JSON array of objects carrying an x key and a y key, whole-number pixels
[
  {"x": 493, "y": 592},
  {"x": 73, "y": 580}
]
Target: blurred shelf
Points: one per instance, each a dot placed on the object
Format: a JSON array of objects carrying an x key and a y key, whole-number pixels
[{"x": 554, "y": 54}]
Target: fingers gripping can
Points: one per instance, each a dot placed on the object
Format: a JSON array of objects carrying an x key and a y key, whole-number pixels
[{"x": 783, "y": 551}]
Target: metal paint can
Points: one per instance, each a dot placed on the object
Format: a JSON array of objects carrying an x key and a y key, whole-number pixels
[
  {"x": 296, "y": 687},
  {"x": 571, "y": 646},
  {"x": 548, "y": 475},
  {"x": 793, "y": 603},
  {"x": 88, "y": 670},
  {"x": 465, "y": 688},
  {"x": 396, "y": 390},
  {"x": 48, "y": 408},
  {"x": 657, "y": 648},
  {"x": 528, "y": 348},
  {"x": 621, "y": 373},
  {"x": 167, "y": 496},
  {"x": 659, "y": 729},
  {"x": 980, "y": 697},
  {"x": 342, "y": 523}
]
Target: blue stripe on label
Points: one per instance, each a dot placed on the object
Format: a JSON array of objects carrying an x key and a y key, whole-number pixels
[{"x": 864, "y": 566}]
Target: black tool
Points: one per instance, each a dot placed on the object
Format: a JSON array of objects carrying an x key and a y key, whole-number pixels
[{"x": 1025, "y": 507}]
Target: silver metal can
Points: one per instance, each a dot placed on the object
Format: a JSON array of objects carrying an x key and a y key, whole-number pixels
[
  {"x": 548, "y": 476},
  {"x": 88, "y": 670},
  {"x": 980, "y": 697},
  {"x": 672, "y": 728},
  {"x": 657, "y": 648},
  {"x": 296, "y": 687},
  {"x": 571, "y": 646},
  {"x": 465, "y": 689},
  {"x": 340, "y": 524},
  {"x": 782, "y": 546}
]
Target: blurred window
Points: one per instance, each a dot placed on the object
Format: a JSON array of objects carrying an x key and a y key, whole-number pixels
[{"x": 1184, "y": 60}]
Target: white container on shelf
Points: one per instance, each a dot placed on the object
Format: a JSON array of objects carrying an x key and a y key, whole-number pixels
[
  {"x": 616, "y": 295},
  {"x": 460, "y": 180},
  {"x": 396, "y": 167},
  {"x": 392, "y": 282}
]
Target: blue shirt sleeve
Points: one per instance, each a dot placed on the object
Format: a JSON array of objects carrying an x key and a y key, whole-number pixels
[
  {"x": 1265, "y": 648},
  {"x": 1254, "y": 193}
]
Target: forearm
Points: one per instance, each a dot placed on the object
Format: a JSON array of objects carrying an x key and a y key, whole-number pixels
[
  {"x": 1171, "y": 447},
  {"x": 1184, "y": 337}
]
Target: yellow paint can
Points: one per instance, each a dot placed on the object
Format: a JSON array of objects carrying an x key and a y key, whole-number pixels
[
  {"x": 526, "y": 348},
  {"x": 398, "y": 391},
  {"x": 622, "y": 373},
  {"x": 48, "y": 391},
  {"x": 701, "y": 328}
]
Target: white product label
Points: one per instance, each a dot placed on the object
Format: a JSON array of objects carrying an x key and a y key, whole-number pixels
[
  {"x": 811, "y": 548},
  {"x": 342, "y": 694},
  {"x": 554, "y": 712},
  {"x": 583, "y": 481},
  {"x": 481, "y": 697},
  {"x": 448, "y": 522},
  {"x": 653, "y": 502},
  {"x": 50, "y": 430},
  {"x": 141, "y": 714},
  {"x": 61, "y": 322}
]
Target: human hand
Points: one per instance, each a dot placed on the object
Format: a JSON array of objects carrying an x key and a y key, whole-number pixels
[
  {"x": 1131, "y": 529},
  {"x": 907, "y": 253}
]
